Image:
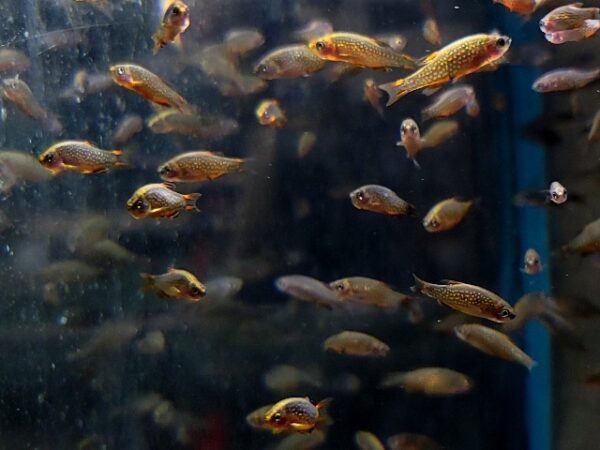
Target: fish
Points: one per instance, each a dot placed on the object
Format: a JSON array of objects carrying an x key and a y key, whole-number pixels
[
  {"x": 128, "y": 126},
  {"x": 589, "y": 29},
  {"x": 240, "y": 41},
  {"x": 523, "y": 7},
  {"x": 438, "y": 133},
  {"x": 18, "y": 169},
  {"x": 367, "y": 291},
  {"x": 107, "y": 339},
  {"x": 433, "y": 381},
  {"x": 468, "y": 299},
  {"x": 269, "y": 113},
  {"x": 446, "y": 214},
  {"x": 451, "y": 101},
  {"x": 568, "y": 17},
  {"x": 594, "y": 133},
  {"x": 453, "y": 62},
  {"x": 493, "y": 343},
  {"x": 381, "y": 200},
  {"x": 223, "y": 287},
  {"x": 13, "y": 61},
  {"x": 306, "y": 144},
  {"x": 80, "y": 156},
  {"x": 152, "y": 343},
  {"x": 296, "y": 414},
  {"x": 532, "y": 262},
  {"x": 197, "y": 166},
  {"x": 585, "y": 243},
  {"x": 174, "y": 23},
  {"x": 373, "y": 95},
  {"x": 70, "y": 271},
  {"x": 200, "y": 125},
  {"x": 410, "y": 139},
  {"x": 290, "y": 61},
  {"x": 354, "y": 343},
  {"x": 558, "y": 80},
  {"x": 107, "y": 252},
  {"x": 313, "y": 30},
  {"x": 431, "y": 31},
  {"x": 412, "y": 441},
  {"x": 366, "y": 440},
  {"x": 175, "y": 283},
  {"x": 285, "y": 378},
  {"x": 395, "y": 40},
  {"x": 308, "y": 289},
  {"x": 160, "y": 200},
  {"x": 359, "y": 50},
  {"x": 148, "y": 85},
  {"x": 558, "y": 193},
  {"x": 18, "y": 92},
  {"x": 85, "y": 83}
]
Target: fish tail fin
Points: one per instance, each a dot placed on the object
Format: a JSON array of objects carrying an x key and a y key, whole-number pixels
[
  {"x": 530, "y": 364},
  {"x": 411, "y": 210},
  {"x": 415, "y": 162},
  {"x": 191, "y": 201},
  {"x": 395, "y": 90},
  {"x": 323, "y": 408},
  {"x": 419, "y": 286},
  {"x": 121, "y": 160},
  {"x": 147, "y": 282}
]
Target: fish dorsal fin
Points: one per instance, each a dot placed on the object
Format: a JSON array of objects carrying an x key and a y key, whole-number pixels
[
  {"x": 168, "y": 185},
  {"x": 427, "y": 59},
  {"x": 451, "y": 282},
  {"x": 382, "y": 44}
]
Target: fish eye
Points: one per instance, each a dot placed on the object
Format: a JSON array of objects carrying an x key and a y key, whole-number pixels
[
  {"x": 277, "y": 417},
  {"x": 176, "y": 10},
  {"x": 320, "y": 46},
  {"x": 360, "y": 195},
  {"x": 434, "y": 223},
  {"x": 261, "y": 68},
  {"x": 554, "y": 195},
  {"x": 339, "y": 287},
  {"x": 121, "y": 71},
  {"x": 166, "y": 171},
  {"x": 541, "y": 24},
  {"x": 504, "y": 313},
  {"x": 139, "y": 205},
  {"x": 501, "y": 42},
  {"x": 48, "y": 158},
  {"x": 196, "y": 291}
]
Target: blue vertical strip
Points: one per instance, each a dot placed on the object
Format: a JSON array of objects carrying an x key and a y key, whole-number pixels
[{"x": 532, "y": 223}]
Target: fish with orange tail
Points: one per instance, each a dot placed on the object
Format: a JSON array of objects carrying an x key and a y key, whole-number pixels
[
  {"x": 453, "y": 62},
  {"x": 160, "y": 200},
  {"x": 297, "y": 414},
  {"x": 359, "y": 50},
  {"x": 148, "y": 85},
  {"x": 80, "y": 156},
  {"x": 175, "y": 21}
]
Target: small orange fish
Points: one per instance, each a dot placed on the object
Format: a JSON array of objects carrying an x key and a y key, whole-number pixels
[
  {"x": 80, "y": 156},
  {"x": 175, "y": 21},
  {"x": 175, "y": 283},
  {"x": 160, "y": 200},
  {"x": 148, "y": 85},
  {"x": 296, "y": 414},
  {"x": 199, "y": 166},
  {"x": 532, "y": 262},
  {"x": 269, "y": 113},
  {"x": 359, "y": 50},
  {"x": 453, "y": 62},
  {"x": 433, "y": 381},
  {"x": 431, "y": 32},
  {"x": 446, "y": 214},
  {"x": 525, "y": 7}
]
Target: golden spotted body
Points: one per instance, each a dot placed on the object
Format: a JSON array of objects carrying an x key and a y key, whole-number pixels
[
  {"x": 79, "y": 156},
  {"x": 493, "y": 343},
  {"x": 175, "y": 283},
  {"x": 432, "y": 381},
  {"x": 451, "y": 63},
  {"x": 356, "y": 344},
  {"x": 446, "y": 214},
  {"x": 199, "y": 166},
  {"x": 160, "y": 200},
  {"x": 380, "y": 199},
  {"x": 587, "y": 242},
  {"x": 359, "y": 50},
  {"x": 568, "y": 17},
  {"x": 175, "y": 21},
  {"x": 148, "y": 85},
  {"x": 468, "y": 299},
  {"x": 290, "y": 61},
  {"x": 295, "y": 414}
]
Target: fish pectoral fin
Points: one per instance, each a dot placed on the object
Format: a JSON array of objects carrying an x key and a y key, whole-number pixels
[
  {"x": 445, "y": 281},
  {"x": 300, "y": 428}
]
